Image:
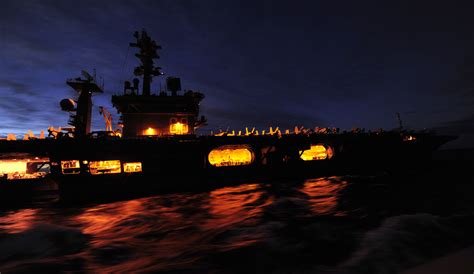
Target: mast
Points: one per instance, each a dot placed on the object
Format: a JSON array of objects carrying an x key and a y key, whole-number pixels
[
  {"x": 148, "y": 52},
  {"x": 82, "y": 118}
]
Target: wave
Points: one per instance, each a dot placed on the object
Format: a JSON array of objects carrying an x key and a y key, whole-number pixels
[
  {"x": 408, "y": 240},
  {"x": 40, "y": 241}
]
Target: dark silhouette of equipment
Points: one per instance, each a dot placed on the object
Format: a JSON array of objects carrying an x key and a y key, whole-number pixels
[
  {"x": 173, "y": 84},
  {"x": 81, "y": 120},
  {"x": 68, "y": 105},
  {"x": 148, "y": 52},
  {"x": 129, "y": 89},
  {"x": 400, "y": 124}
]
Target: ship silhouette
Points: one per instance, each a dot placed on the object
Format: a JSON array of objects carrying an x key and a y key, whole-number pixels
[{"x": 157, "y": 146}]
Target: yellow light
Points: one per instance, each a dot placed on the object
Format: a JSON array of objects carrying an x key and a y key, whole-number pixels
[
  {"x": 150, "y": 131},
  {"x": 316, "y": 152},
  {"x": 70, "y": 167},
  {"x": 104, "y": 167},
  {"x": 232, "y": 155},
  {"x": 178, "y": 128},
  {"x": 70, "y": 164},
  {"x": 18, "y": 169},
  {"x": 132, "y": 167},
  {"x": 9, "y": 167}
]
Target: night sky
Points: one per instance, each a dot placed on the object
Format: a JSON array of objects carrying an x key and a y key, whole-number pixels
[{"x": 260, "y": 63}]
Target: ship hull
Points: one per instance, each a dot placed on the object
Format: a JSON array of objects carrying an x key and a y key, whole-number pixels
[{"x": 182, "y": 164}]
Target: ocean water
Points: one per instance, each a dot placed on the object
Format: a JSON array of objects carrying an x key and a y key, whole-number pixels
[{"x": 374, "y": 223}]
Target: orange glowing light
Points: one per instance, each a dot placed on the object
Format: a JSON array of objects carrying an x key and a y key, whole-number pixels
[
  {"x": 317, "y": 152},
  {"x": 70, "y": 167},
  {"x": 104, "y": 167},
  {"x": 150, "y": 131},
  {"x": 231, "y": 155},
  {"x": 11, "y": 166},
  {"x": 132, "y": 167},
  {"x": 178, "y": 128}
]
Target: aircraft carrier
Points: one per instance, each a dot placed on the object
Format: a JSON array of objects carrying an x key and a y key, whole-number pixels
[{"x": 156, "y": 145}]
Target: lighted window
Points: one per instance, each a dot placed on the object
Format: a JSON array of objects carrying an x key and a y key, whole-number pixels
[
  {"x": 24, "y": 168},
  {"x": 232, "y": 155},
  {"x": 179, "y": 127},
  {"x": 132, "y": 167},
  {"x": 10, "y": 166},
  {"x": 104, "y": 167},
  {"x": 317, "y": 152},
  {"x": 70, "y": 167}
]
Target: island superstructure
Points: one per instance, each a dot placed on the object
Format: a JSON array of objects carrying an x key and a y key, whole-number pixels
[{"x": 166, "y": 113}]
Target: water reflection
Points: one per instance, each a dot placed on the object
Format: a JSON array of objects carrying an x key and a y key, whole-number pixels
[
  {"x": 233, "y": 205},
  {"x": 184, "y": 231},
  {"x": 105, "y": 218},
  {"x": 18, "y": 221},
  {"x": 323, "y": 194}
]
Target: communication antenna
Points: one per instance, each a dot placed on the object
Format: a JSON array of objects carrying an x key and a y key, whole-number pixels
[{"x": 400, "y": 125}]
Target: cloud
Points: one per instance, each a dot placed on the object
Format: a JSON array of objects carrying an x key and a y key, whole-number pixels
[{"x": 17, "y": 87}]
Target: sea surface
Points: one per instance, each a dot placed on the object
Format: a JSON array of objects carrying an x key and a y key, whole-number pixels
[{"x": 372, "y": 223}]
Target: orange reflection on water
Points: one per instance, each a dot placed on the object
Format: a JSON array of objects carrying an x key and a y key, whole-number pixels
[
  {"x": 231, "y": 205},
  {"x": 323, "y": 195},
  {"x": 155, "y": 223},
  {"x": 18, "y": 221},
  {"x": 106, "y": 218}
]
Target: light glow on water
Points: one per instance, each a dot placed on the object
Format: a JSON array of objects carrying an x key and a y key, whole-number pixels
[
  {"x": 323, "y": 195},
  {"x": 281, "y": 225},
  {"x": 19, "y": 221}
]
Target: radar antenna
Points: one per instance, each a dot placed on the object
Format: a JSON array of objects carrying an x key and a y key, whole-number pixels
[{"x": 148, "y": 52}]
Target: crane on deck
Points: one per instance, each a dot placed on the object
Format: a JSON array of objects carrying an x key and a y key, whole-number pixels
[{"x": 107, "y": 118}]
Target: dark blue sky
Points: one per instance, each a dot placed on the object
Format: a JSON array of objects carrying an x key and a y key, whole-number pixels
[{"x": 260, "y": 63}]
